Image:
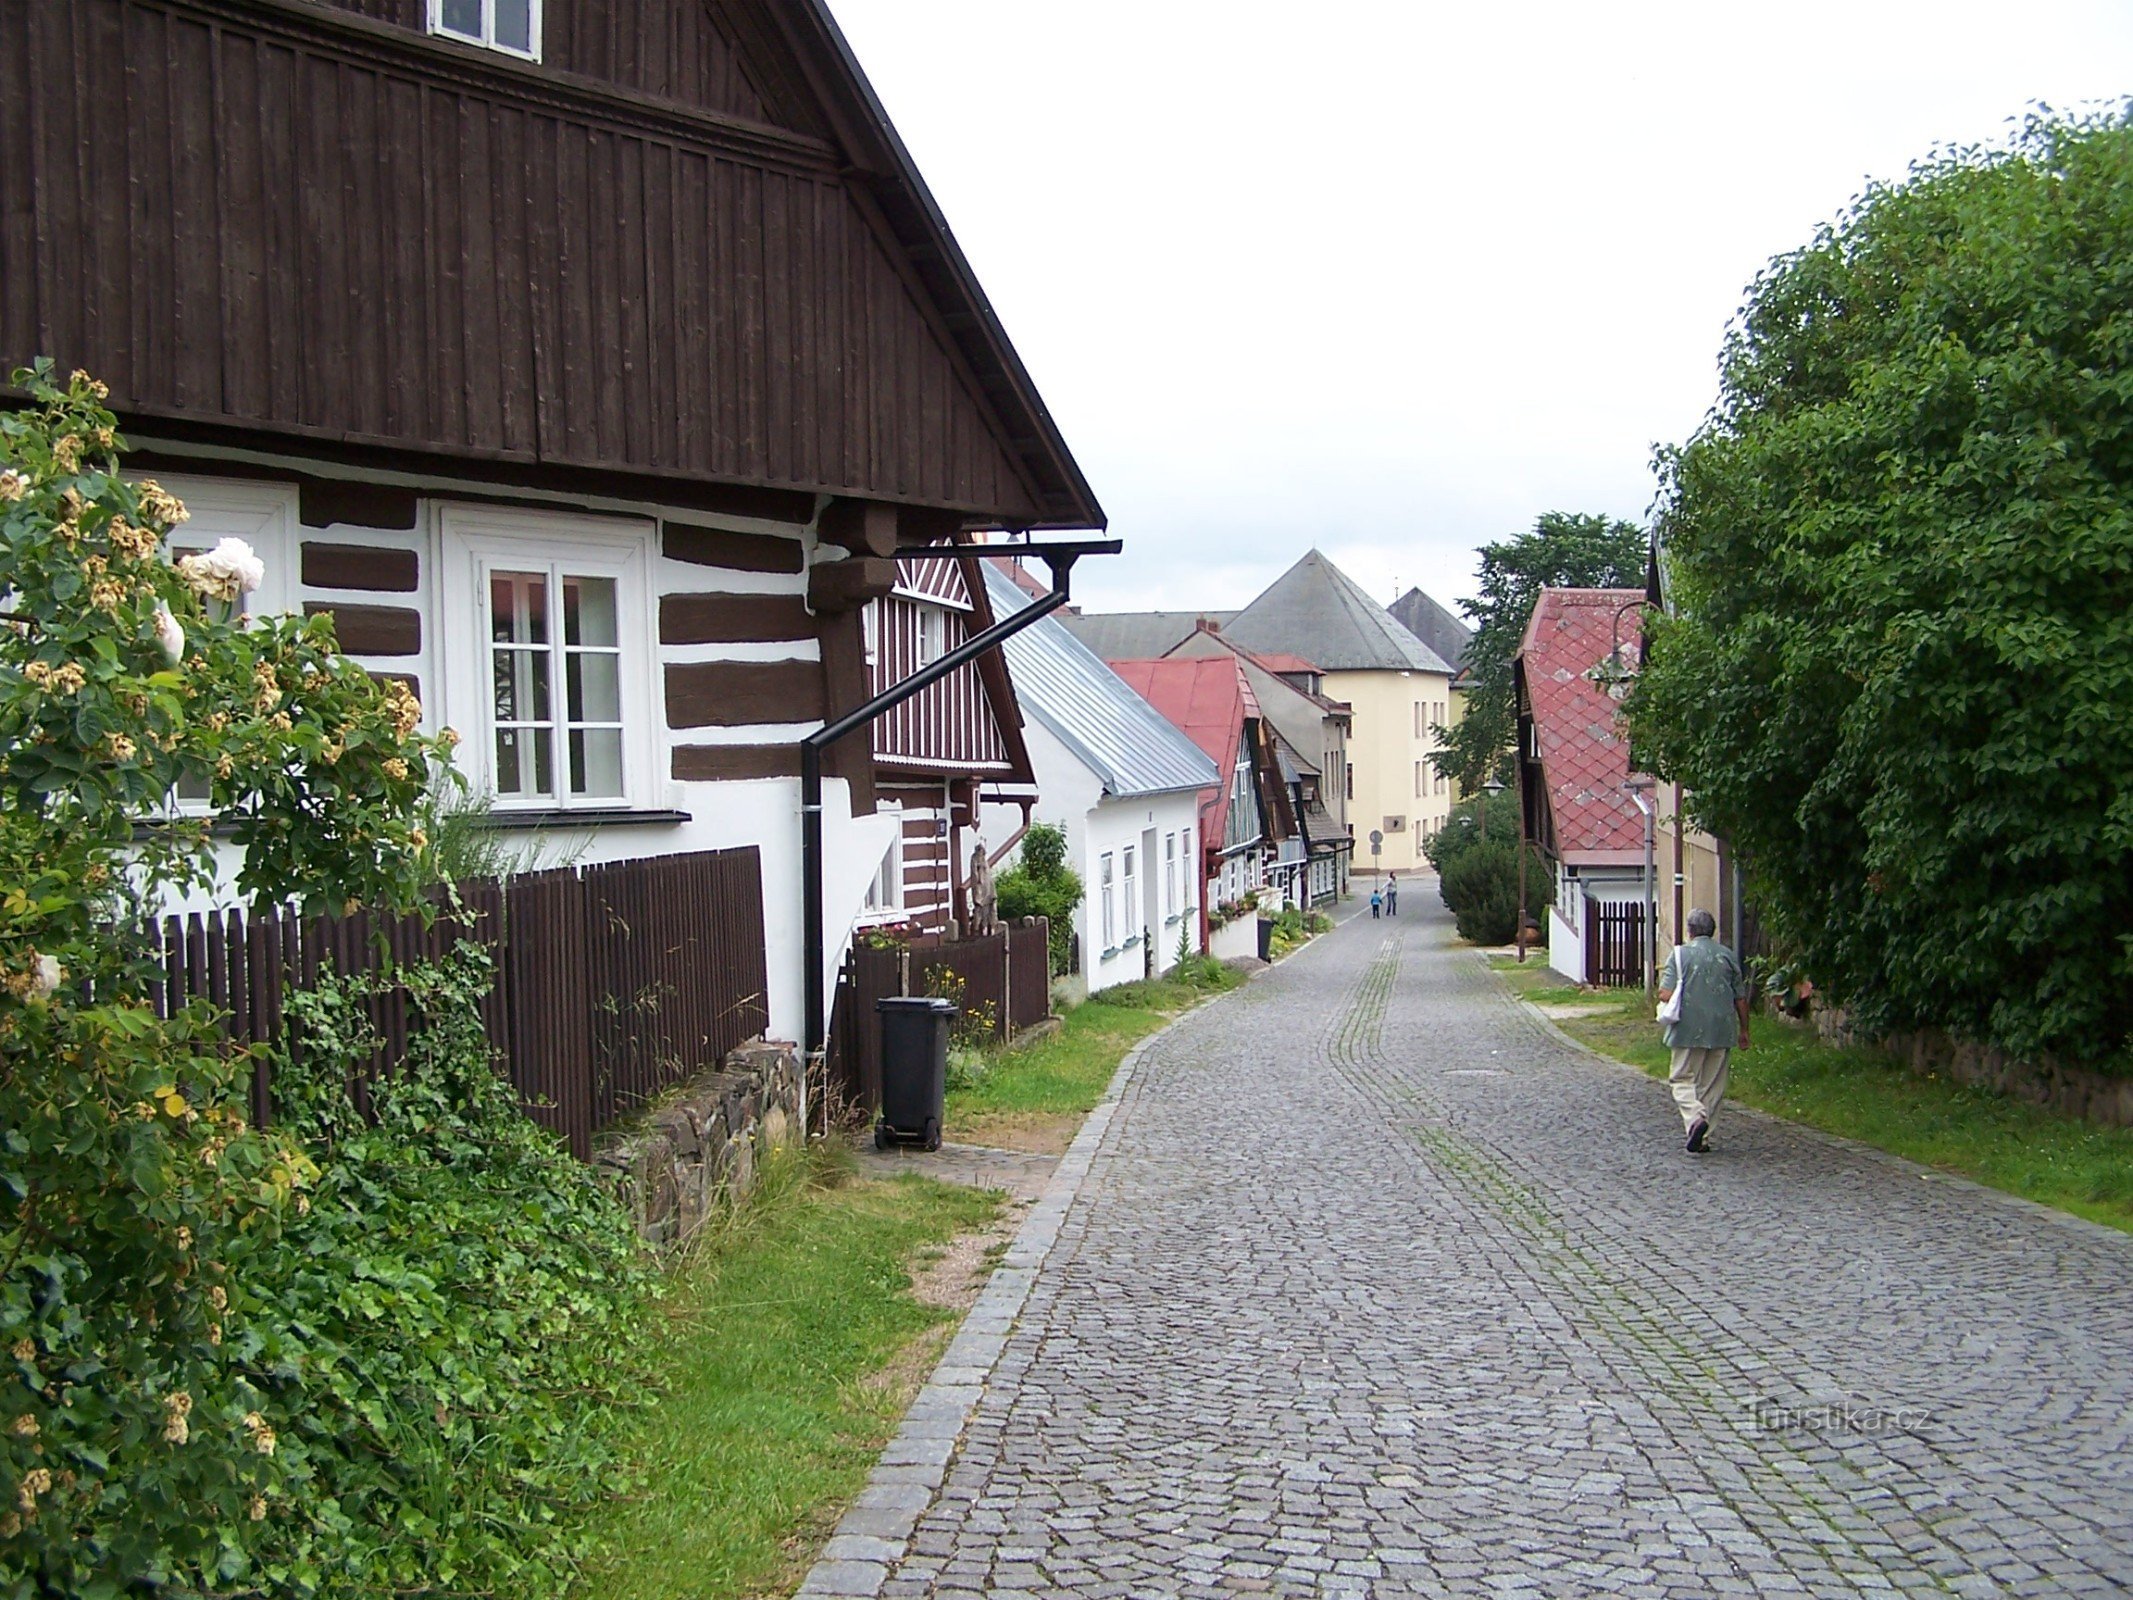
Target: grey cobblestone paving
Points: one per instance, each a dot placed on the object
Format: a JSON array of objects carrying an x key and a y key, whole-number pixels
[{"x": 1374, "y": 1286}]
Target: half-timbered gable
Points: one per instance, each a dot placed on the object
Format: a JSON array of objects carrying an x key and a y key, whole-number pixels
[
  {"x": 936, "y": 753},
  {"x": 588, "y": 360}
]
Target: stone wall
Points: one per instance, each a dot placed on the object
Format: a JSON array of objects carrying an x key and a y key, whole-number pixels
[
  {"x": 701, "y": 1144},
  {"x": 2070, "y": 1091}
]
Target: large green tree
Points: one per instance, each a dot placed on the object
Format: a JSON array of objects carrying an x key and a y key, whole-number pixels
[
  {"x": 1900, "y": 676},
  {"x": 1563, "y": 550}
]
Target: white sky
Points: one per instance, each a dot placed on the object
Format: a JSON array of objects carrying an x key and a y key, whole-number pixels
[{"x": 1395, "y": 278}]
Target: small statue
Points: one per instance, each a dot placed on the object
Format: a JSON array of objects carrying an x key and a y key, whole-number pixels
[{"x": 984, "y": 912}]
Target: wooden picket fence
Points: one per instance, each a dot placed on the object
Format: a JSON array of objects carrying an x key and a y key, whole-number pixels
[
  {"x": 1008, "y": 971},
  {"x": 1614, "y": 949},
  {"x": 613, "y": 982}
]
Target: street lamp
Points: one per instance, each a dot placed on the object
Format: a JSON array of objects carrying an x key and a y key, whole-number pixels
[
  {"x": 1614, "y": 675},
  {"x": 1489, "y": 788}
]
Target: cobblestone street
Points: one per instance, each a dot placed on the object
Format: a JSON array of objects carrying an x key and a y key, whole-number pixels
[{"x": 1373, "y": 1286}]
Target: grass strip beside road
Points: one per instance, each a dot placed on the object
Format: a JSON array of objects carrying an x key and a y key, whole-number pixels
[
  {"x": 779, "y": 1328},
  {"x": 1033, "y": 1096},
  {"x": 1866, "y": 1094}
]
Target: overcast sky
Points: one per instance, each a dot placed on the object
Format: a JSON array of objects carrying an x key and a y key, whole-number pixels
[{"x": 1393, "y": 278}]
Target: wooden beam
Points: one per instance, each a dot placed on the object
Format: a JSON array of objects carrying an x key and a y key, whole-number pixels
[
  {"x": 864, "y": 527},
  {"x": 834, "y": 586},
  {"x": 733, "y": 618},
  {"x": 726, "y": 694}
]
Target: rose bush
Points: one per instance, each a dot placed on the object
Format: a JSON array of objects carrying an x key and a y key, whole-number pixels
[{"x": 154, "y": 1246}]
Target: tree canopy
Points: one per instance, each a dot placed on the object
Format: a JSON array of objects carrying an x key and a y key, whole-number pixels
[
  {"x": 1563, "y": 550},
  {"x": 1900, "y": 554}
]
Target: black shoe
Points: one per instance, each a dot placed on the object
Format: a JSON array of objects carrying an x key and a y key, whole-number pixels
[{"x": 1699, "y": 1130}]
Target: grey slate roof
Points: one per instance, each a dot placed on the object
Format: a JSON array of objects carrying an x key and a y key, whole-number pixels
[
  {"x": 1434, "y": 626},
  {"x": 1317, "y": 611},
  {"x": 1135, "y": 635},
  {"x": 1120, "y": 737}
]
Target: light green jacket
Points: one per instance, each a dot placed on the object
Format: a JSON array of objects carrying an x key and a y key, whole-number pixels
[{"x": 1710, "y": 979}]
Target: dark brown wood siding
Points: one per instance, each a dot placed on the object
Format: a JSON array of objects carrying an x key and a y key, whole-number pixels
[
  {"x": 262, "y": 221},
  {"x": 675, "y": 49}
]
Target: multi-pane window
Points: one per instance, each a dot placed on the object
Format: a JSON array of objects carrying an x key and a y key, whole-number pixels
[
  {"x": 1131, "y": 896},
  {"x": 509, "y": 25},
  {"x": 555, "y": 653},
  {"x": 1170, "y": 877},
  {"x": 886, "y": 892},
  {"x": 1109, "y": 901},
  {"x": 545, "y": 658},
  {"x": 932, "y": 634}
]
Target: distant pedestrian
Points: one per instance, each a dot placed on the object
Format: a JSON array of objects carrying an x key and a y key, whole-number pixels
[
  {"x": 1377, "y": 904},
  {"x": 1392, "y": 895},
  {"x": 1712, "y": 1025}
]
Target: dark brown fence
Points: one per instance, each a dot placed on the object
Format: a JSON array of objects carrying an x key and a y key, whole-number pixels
[
  {"x": 1614, "y": 946},
  {"x": 612, "y": 981},
  {"x": 1008, "y": 971}
]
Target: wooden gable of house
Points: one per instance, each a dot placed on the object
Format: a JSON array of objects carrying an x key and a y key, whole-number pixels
[
  {"x": 684, "y": 246},
  {"x": 967, "y": 726}
]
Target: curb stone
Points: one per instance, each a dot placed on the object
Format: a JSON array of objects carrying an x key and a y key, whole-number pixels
[
  {"x": 1872, "y": 1152},
  {"x": 875, "y": 1534}
]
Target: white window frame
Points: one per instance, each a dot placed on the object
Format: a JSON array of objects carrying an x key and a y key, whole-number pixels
[
  {"x": 477, "y": 540},
  {"x": 932, "y": 633},
  {"x": 885, "y": 895},
  {"x": 264, "y": 516},
  {"x": 1170, "y": 878},
  {"x": 1105, "y": 863},
  {"x": 1130, "y": 892},
  {"x": 487, "y": 41}
]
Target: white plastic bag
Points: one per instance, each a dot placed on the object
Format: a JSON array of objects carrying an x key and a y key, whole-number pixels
[{"x": 1669, "y": 1011}]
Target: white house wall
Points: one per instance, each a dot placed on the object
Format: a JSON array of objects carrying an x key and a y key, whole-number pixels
[
  {"x": 762, "y": 812},
  {"x": 1072, "y": 798}
]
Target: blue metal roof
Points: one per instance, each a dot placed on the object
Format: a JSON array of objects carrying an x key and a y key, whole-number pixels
[{"x": 1120, "y": 737}]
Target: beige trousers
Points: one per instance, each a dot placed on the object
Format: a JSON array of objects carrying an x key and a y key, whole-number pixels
[{"x": 1699, "y": 1081}]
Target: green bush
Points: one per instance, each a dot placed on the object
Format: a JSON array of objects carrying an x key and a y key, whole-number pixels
[
  {"x": 140, "y": 1450},
  {"x": 1462, "y": 828},
  {"x": 449, "y": 1327},
  {"x": 1901, "y": 558},
  {"x": 1480, "y": 886},
  {"x": 1041, "y": 884},
  {"x": 330, "y": 1358}
]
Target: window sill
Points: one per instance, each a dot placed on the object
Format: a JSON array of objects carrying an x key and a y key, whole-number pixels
[{"x": 581, "y": 817}]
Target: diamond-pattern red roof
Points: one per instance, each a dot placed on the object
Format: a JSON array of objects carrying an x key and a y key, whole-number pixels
[
  {"x": 1207, "y": 698},
  {"x": 1583, "y": 746}
]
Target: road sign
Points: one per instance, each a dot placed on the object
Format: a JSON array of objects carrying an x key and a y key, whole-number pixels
[{"x": 1377, "y": 842}]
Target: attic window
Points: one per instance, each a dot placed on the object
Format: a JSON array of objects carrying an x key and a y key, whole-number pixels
[{"x": 512, "y": 26}]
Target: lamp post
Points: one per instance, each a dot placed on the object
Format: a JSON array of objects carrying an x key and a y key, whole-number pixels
[
  {"x": 1641, "y": 790},
  {"x": 1518, "y": 771}
]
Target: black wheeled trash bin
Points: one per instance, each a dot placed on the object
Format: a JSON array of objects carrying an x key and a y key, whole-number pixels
[{"x": 914, "y": 1069}]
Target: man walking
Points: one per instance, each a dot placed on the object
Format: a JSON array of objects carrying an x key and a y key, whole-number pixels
[
  {"x": 1392, "y": 895},
  {"x": 1713, "y": 1023}
]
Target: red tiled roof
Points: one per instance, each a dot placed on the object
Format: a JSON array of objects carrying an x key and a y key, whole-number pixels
[
  {"x": 1283, "y": 661},
  {"x": 1584, "y": 749},
  {"x": 1207, "y": 698}
]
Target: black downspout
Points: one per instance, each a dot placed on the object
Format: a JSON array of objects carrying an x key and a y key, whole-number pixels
[{"x": 816, "y": 1042}]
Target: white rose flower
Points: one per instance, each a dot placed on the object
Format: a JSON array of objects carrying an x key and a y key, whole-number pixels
[
  {"x": 49, "y": 976},
  {"x": 225, "y": 572},
  {"x": 169, "y": 635}
]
